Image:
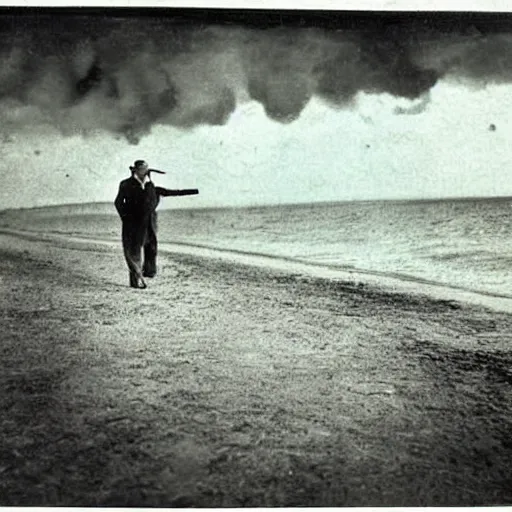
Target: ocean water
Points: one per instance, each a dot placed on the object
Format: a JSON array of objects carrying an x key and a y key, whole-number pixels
[{"x": 465, "y": 243}]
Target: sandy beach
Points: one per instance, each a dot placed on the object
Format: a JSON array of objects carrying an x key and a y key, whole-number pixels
[{"x": 227, "y": 384}]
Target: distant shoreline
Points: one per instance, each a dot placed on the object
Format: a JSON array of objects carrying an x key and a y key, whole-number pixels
[
  {"x": 381, "y": 282},
  {"x": 105, "y": 204}
]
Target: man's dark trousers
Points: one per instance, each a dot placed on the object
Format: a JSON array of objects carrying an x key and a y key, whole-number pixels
[{"x": 133, "y": 247}]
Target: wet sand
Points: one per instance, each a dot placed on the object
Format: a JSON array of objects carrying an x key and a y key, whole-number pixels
[{"x": 226, "y": 384}]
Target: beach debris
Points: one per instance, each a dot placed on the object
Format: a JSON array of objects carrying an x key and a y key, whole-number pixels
[
  {"x": 7, "y": 138},
  {"x": 492, "y": 127},
  {"x": 370, "y": 389},
  {"x": 182, "y": 501},
  {"x": 319, "y": 432},
  {"x": 117, "y": 418},
  {"x": 37, "y": 152}
]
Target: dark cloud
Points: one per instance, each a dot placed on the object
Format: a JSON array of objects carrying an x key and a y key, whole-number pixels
[
  {"x": 417, "y": 108},
  {"x": 125, "y": 74}
]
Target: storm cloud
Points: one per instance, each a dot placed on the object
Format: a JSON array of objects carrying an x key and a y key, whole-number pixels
[{"x": 124, "y": 74}]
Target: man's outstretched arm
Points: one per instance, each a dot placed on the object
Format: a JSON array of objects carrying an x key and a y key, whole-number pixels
[{"x": 183, "y": 192}]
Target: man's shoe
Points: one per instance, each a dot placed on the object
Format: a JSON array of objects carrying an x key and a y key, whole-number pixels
[{"x": 140, "y": 284}]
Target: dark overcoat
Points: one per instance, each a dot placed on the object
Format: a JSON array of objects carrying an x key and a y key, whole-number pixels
[{"x": 137, "y": 208}]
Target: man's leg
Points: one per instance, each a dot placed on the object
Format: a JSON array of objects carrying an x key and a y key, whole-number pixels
[
  {"x": 150, "y": 250},
  {"x": 132, "y": 254}
]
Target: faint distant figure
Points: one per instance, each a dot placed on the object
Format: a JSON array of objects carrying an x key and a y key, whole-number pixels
[
  {"x": 492, "y": 127},
  {"x": 136, "y": 204}
]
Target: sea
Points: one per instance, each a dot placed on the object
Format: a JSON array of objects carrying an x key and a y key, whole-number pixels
[{"x": 460, "y": 243}]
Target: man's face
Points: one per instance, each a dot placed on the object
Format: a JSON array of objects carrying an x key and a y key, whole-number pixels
[{"x": 141, "y": 172}]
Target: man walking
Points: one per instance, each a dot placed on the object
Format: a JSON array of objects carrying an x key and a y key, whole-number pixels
[{"x": 136, "y": 204}]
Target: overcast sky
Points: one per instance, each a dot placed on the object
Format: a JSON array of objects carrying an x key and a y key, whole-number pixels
[{"x": 255, "y": 116}]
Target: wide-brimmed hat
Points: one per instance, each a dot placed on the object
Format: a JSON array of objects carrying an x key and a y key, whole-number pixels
[{"x": 139, "y": 164}]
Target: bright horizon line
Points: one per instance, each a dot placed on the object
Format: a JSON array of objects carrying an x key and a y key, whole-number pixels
[{"x": 275, "y": 205}]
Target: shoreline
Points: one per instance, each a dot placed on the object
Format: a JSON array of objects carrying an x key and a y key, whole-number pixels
[
  {"x": 225, "y": 385},
  {"x": 108, "y": 203},
  {"x": 398, "y": 283}
]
